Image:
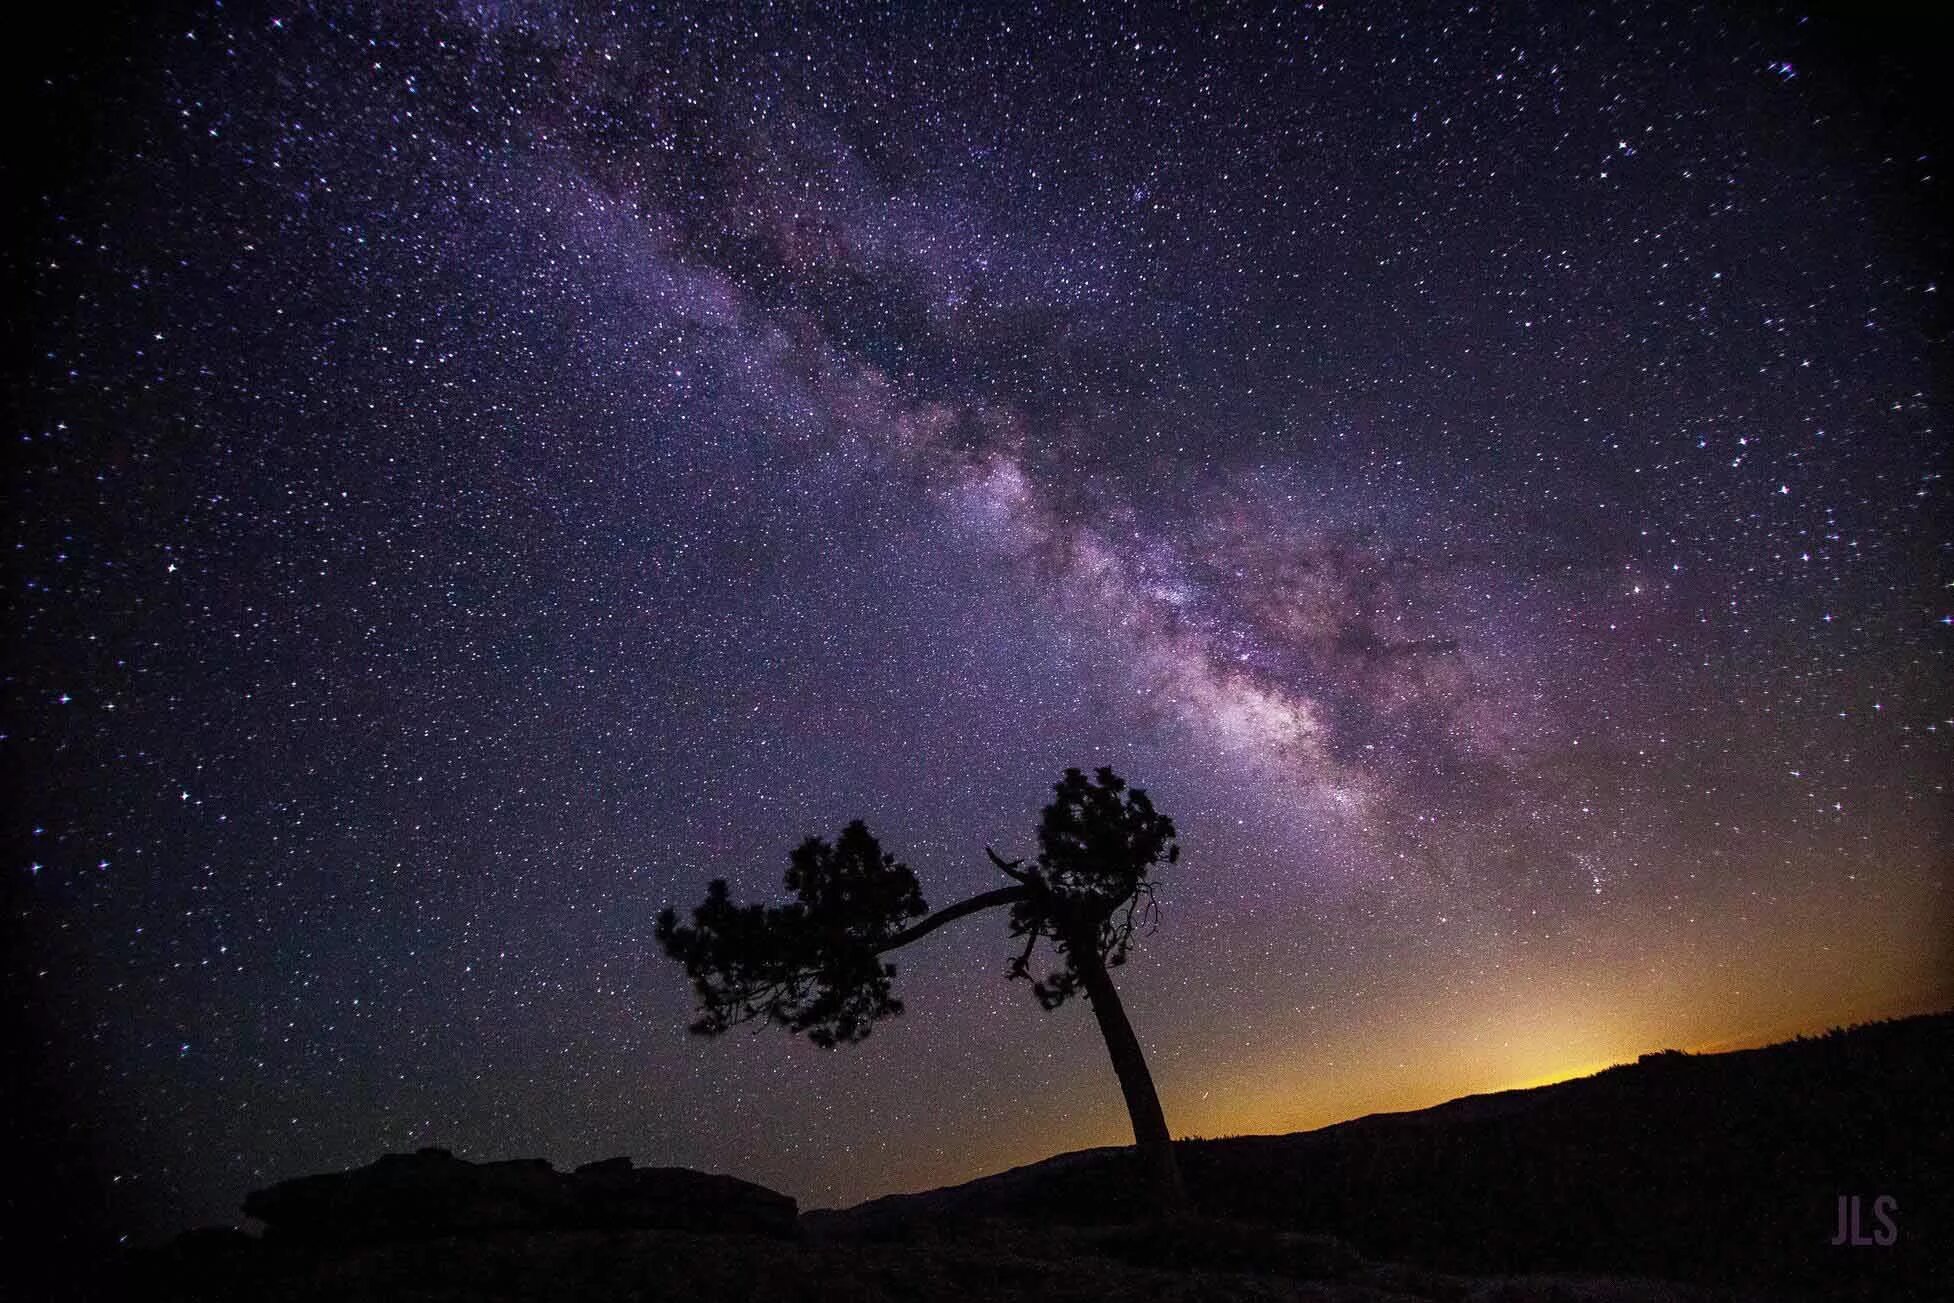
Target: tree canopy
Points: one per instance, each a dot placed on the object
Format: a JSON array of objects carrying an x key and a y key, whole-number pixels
[{"x": 816, "y": 965}]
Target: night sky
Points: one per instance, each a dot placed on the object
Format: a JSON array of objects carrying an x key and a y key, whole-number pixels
[{"x": 484, "y": 470}]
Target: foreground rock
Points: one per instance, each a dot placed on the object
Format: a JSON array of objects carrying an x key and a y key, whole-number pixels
[{"x": 432, "y": 1193}]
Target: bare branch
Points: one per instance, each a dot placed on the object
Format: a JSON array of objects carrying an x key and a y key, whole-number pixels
[
  {"x": 1021, "y": 966},
  {"x": 1009, "y": 868}
]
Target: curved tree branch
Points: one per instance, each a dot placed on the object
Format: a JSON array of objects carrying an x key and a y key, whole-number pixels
[{"x": 950, "y": 914}]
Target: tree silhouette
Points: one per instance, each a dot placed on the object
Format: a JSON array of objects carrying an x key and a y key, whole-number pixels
[{"x": 816, "y": 966}]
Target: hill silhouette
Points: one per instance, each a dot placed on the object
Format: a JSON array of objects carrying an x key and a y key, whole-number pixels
[
  {"x": 1679, "y": 1177},
  {"x": 1722, "y": 1168}
]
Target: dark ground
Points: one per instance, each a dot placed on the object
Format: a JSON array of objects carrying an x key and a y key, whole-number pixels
[{"x": 1680, "y": 1177}]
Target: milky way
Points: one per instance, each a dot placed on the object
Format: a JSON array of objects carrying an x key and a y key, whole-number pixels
[{"x": 487, "y": 470}]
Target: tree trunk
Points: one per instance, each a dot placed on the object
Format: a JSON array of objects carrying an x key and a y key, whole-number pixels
[{"x": 1150, "y": 1135}]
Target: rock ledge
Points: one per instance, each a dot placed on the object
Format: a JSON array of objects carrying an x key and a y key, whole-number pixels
[{"x": 432, "y": 1193}]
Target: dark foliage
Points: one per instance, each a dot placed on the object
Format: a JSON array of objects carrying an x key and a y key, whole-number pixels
[
  {"x": 1097, "y": 843},
  {"x": 813, "y": 966}
]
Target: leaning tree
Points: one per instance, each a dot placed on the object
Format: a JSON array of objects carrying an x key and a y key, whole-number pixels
[{"x": 816, "y": 966}]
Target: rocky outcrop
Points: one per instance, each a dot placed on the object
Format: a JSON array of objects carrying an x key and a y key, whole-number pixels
[
  {"x": 432, "y": 1193},
  {"x": 612, "y": 1193}
]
